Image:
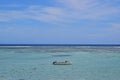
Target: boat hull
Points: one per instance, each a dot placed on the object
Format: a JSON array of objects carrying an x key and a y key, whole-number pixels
[{"x": 62, "y": 63}]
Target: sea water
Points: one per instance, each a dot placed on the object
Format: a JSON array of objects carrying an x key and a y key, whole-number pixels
[{"x": 35, "y": 63}]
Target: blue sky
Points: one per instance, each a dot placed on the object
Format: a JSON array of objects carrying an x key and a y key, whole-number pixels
[{"x": 59, "y": 22}]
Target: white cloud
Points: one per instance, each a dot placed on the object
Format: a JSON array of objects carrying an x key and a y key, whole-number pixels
[
  {"x": 69, "y": 11},
  {"x": 89, "y": 9},
  {"x": 48, "y": 14},
  {"x": 117, "y": 25},
  {"x": 78, "y": 4}
]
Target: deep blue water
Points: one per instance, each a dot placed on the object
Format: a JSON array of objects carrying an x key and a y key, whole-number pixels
[
  {"x": 35, "y": 62},
  {"x": 59, "y": 44}
]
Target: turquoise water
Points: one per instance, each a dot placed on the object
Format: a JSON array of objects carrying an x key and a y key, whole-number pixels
[{"x": 35, "y": 63}]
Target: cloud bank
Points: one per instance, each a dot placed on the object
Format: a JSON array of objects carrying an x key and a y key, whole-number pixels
[{"x": 65, "y": 11}]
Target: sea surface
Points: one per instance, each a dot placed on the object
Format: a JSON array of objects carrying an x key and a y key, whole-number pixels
[{"x": 35, "y": 62}]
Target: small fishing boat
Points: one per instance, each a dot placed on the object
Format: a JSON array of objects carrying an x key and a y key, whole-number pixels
[{"x": 62, "y": 63}]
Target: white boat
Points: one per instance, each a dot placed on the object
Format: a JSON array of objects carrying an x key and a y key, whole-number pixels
[{"x": 62, "y": 63}]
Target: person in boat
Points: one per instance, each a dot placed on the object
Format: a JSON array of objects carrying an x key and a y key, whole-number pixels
[
  {"x": 66, "y": 61},
  {"x": 54, "y": 62}
]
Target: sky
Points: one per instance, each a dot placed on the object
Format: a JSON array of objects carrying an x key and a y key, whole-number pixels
[{"x": 59, "y": 21}]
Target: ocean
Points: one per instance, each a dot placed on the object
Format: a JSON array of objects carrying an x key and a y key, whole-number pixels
[{"x": 89, "y": 62}]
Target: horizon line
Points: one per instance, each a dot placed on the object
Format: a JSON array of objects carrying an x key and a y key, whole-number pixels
[{"x": 59, "y": 44}]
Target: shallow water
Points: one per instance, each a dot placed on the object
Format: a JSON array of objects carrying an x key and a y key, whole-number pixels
[{"x": 35, "y": 63}]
